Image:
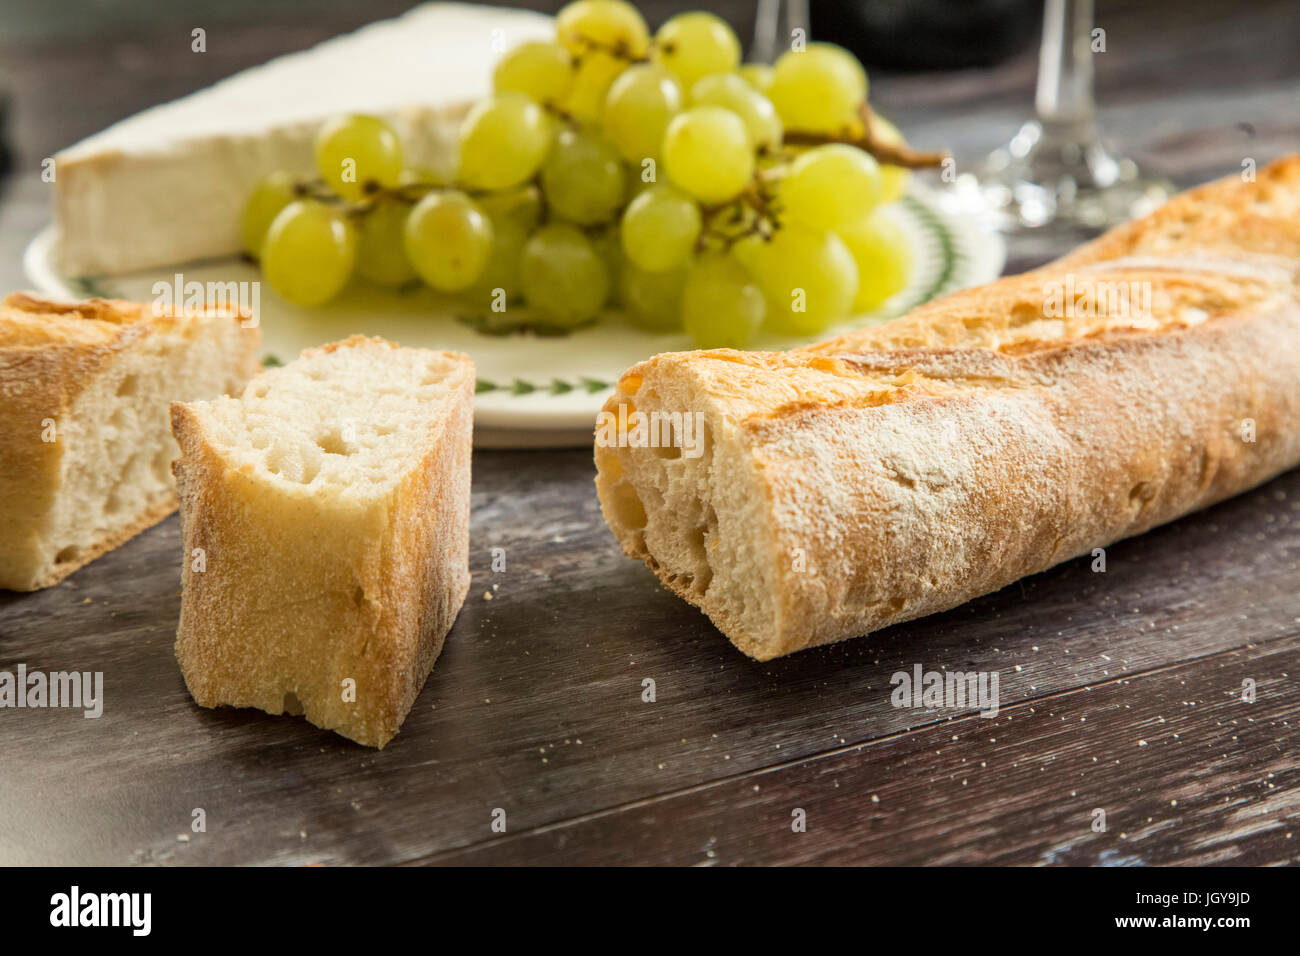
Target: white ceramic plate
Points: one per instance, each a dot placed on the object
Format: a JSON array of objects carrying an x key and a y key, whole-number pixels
[{"x": 533, "y": 391}]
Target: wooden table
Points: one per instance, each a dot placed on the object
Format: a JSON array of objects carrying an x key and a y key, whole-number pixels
[{"x": 1121, "y": 691}]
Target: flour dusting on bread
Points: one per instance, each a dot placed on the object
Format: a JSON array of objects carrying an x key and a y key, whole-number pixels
[{"x": 905, "y": 468}]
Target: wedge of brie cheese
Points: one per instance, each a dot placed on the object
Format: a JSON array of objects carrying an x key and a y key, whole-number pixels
[{"x": 169, "y": 185}]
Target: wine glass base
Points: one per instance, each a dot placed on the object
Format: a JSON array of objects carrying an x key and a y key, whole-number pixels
[{"x": 1064, "y": 176}]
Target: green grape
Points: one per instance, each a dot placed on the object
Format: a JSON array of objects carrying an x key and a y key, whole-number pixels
[
  {"x": 893, "y": 183},
  {"x": 381, "y": 249},
  {"x": 808, "y": 277},
  {"x": 722, "y": 306},
  {"x": 583, "y": 178},
  {"x": 883, "y": 255},
  {"x": 831, "y": 186},
  {"x": 543, "y": 71},
  {"x": 746, "y": 250},
  {"x": 819, "y": 89},
  {"x": 448, "y": 239},
  {"x": 564, "y": 278},
  {"x": 893, "y": 179},
  {"x": 522, "y": 205},
  {"x": 354, "y": 152},
  {"x": 501, "y": 271},
  {"x": 638, "y": 108},
  {"x": 660, "y": 228},
  {"x": 604, "y": 36},
  {"x": 653, "y": 300},
  {"x": 269, "y": 196},
  {"x": 422, "y": 176},
  {"x": 637, "y": 182},
  {"x": 851, "y": 64},
  {"x": 757, "y": 75},
  {"x": 607, "y": 25},
  {"x": 605, "y": 242},
  {"x": 707, "y": 152},
  {"x": 515, "y": 213},
  {"x": 696, "y": 44},
  {"x": 503, "y": 141},
  {"x": 309, "y": 252},
  {"x": 591, "y": 85},
  {"x": 754, "y": 109}
]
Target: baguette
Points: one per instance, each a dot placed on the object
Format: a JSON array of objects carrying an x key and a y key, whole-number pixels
[
  {"x": 906, "y": 468},
  {"x": 85, "y": 451},
  {"x": 325, "y": 515}
]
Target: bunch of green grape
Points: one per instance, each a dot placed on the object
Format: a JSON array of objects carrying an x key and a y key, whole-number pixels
[{"x": 613, "y": 170}]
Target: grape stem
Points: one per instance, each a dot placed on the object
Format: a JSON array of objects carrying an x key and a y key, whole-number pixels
[
  {"x": 563, "y": 115},
  {"x": 318, "y": 191},
  {"x": 617, "y": 50},
  {"x": 543, "y": 207},
  {"x": 885, "y": 153},
  {"x": 756, "y": 197}
]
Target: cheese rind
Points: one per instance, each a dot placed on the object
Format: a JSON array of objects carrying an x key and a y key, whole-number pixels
[{"x": 169, "y": 185}]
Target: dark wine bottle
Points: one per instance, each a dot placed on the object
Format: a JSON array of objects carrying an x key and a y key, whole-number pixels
[{"x": 928, "y": 34}]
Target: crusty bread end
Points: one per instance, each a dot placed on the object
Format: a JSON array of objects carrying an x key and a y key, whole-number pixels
[
  {"x": 325, "y": 515},
  {"x": 86, "y": 451}
]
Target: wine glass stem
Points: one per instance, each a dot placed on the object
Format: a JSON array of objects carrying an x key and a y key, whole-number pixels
[
  {"x": 1064, "y": 94},
  {"x": 768, "y": 41}
]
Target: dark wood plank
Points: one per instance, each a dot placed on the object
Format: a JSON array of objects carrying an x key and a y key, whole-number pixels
[
  {"x": 1182, "y": 769},
  {"x": 535, "y": 706}
]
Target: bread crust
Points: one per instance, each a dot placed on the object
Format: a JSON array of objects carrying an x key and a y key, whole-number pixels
[
  {"x": 296, "y": 596},
  {"x": 915, "y": 465},
  {"x": 50, "y": 353}
]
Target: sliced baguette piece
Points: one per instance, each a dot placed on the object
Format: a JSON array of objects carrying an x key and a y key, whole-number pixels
[
  {"x": 85, "y": 449},
  {"x": 906, "y": 468},
  {"x": 325, "y": 515}
]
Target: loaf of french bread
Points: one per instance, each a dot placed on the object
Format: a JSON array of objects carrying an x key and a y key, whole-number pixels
[{"x": 908, "y": 467}]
